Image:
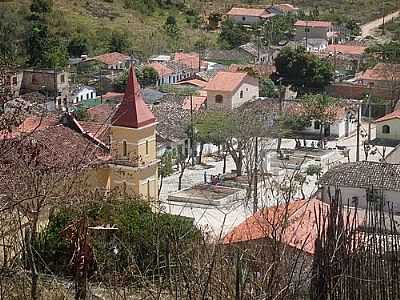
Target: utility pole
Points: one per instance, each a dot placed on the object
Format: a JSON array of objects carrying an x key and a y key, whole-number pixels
[
  {"x": 383, "y": 17},
  {"x": 358, "y": 135},
  {"x": 281, "y": 96},
  {"x": 369, "y": 113},
  {"x": 255, "y": 194},
  {"x": 101, "y": 86},
  {"x": 191, "y": 129}
]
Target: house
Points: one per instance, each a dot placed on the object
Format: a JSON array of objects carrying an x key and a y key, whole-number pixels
[
  {"x": 165, "y": 74},
  {"x": 190, "y": 60},
  {"x": 294, "y": 225},
  {"x": 314, "y": 45},
  {"x": 344, "y": 123},
  {"x": 313, "y": 30},
  {"x": 10, "y": 81},
  {"x": 229, "y": 90},
  {"x": 256, "y": 54},
  {"x": 82, "y": 93},
  {"x": 248, "y": 16},
  {"x": 345, "y": 56},
  {"x": 52, "y": 83},
  {"x": 282, "y": 9},
  {"x": 388, "y": 129},
  {"x": 384, "y": 76},
  {"x": 365, "y": 182},
  {"x": 114, "y": 60}
]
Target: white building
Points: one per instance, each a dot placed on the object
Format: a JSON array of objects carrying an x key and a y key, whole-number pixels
[
  {"x": 82, "y": 93},
  {"x": 314, "y": 30},
  {"x": 114, "y": 60},
  {"x": 360, "y": 182},
  {"x": 229, "y": 90}
]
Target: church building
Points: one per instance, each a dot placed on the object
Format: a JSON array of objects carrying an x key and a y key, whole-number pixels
[{"x": 132, "y": 166}]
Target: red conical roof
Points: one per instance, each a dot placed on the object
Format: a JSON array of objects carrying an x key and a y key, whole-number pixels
[{"x": 133, "y": 112}]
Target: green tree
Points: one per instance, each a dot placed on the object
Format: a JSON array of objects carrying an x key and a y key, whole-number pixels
[
  {"x": 384, "y": 52},
  {"x": 268, "y": 88},
  {"x": 171, "y": 27},
  {"x": 11, "y": 33},
  {"x": 321, "y": 109},
  {"x": 119, "y": 41},
  {"x": 302, "y": 71},
  {"x": 278, "y": 28},
  {"x": 78, "y": 46},
  {"x": 148, "y": 76},
  {"x": 233, "y": 35}
]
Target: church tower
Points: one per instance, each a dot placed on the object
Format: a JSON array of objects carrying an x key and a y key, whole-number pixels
[{"x": 134, "y": 166}]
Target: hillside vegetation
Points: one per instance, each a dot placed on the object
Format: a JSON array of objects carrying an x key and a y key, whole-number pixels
[{"x": 143, "y": 22}]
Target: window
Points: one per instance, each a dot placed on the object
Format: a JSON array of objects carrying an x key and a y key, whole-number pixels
[
  {"x": 386, "y": 129},
  {"x": 243, "y": 18},
  {"x": 241, "y": 94},
  {"x": 219, "y": 99},
  {"x": 91, "y": 95},
  {"x": 14, "y": 80},
  {"x": 34, "y": 79},
  {"x": 62, "y": 78},
  {"x": 124, "y": 149},
  {"x": 147, "y": 147},
  {"x": 81, "y": 97},
  {"x": 317, "y": 125},
  {"x": 87, "y": 96}
]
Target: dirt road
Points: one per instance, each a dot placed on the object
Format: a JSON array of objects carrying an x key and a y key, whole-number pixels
[{"x": 369, "y": 28}]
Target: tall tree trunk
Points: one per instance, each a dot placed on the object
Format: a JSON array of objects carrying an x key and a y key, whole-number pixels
[
  {"x": 29, "y": 239},
  {"x": 201, "y": 152}
]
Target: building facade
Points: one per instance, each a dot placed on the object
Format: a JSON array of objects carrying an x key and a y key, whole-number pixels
[{"x": 132, "y": 166}]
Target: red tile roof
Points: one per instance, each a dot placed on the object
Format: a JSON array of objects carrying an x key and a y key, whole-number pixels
[
  {"x": 112, "y": 58},
  {"x": 161, "y": 69},
  {"x": 113, "y": 96},
  {"x": 195, "y": 82},
  {"x": 190, "y": 60},
  {"x": 33, "y": 123},
  {"x": 346, "y": 49},
  {"x": 315, "y": 24},
  {"x": 97, "y": 130},
  {"x": 382, "y": 72},
  {"x": 133, "y": 112},
  {"x": 101, "y": 113},
  {"x": 226, "y": 81},
  {"x": 197, "y": 102},
  {"x": 294, "y": 224},
  {"x": 391, "y": 116},
  {"x": 251, "y": 12}
]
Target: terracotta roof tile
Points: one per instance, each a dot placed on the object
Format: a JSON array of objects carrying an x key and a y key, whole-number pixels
[
  {"x": 197, "y": 102},
  {"x": 112, "y": 58},
  {"x": 190, "y": 60},
  {"x": 315, "y": 24},
  {"x": 294, "y": 224},
  {"x": 101, "y": 113},
  {"x": 226, "y": 81},
  {"x": 195, "y": 82},
  {"x": 346, "y": 49},
  {"x": 393, "y": 115},
  {"x": 241, "y": 11},
  {"x": 133, "y": 111},
  {"x": 382, "y": 72},
  {"x": 161, "y": 69}
]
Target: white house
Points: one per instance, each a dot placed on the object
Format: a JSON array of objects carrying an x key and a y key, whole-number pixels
[
  {"x": 82, "y": 93},
  {"x": 251, "y": 16},
  {"x": 314, "y": 30},
  {"x": 360, "y": 182},
  {"x": 171, "y": 72},
  {"x": 229, "y": 90},
  {"x": 388, "y": 128},
  {"x": 114, "y": 60},
  {"x": 248, "y": 16}
]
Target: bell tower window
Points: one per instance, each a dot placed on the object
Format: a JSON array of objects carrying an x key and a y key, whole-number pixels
[
  {"x": 124, "y": 149},
  {"x": 147, "y": 147}
]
